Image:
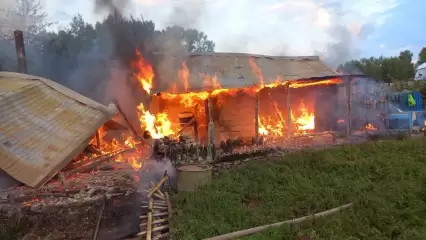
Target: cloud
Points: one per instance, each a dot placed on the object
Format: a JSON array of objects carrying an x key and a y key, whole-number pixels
[{"x": 302, "y": 27}]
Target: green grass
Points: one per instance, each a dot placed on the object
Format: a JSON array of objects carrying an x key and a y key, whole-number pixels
[{"x": 385, "y": 179}]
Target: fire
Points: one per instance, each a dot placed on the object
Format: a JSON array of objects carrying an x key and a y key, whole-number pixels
[
  {"x": 276, "y": 127},
  {"x": 370, "y": 127},
  {"x": 158, "y": 126},
  {"x": 306, "y": 120},
  {"x": 143, "y": 72}
]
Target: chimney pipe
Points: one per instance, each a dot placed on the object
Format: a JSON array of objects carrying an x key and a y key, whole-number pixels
[{"x": 20, "y": 51}]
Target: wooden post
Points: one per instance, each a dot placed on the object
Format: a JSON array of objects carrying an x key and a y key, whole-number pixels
[
  {"x": 288, "y": 112},
  {"x": 211, "y": 137},
  {"x": 98, "y": 140},
  {"x": 256, "y": 119},
  {"x": 195, "y": 125},
  {"x": 348, "y": 105},
  {"x": 20, "y": 51}
]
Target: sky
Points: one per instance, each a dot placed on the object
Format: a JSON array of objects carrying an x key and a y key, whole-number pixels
[{"x": 337, "y": 29}]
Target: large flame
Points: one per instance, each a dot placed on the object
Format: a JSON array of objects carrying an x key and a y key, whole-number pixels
[
  {"x": 159, "y": 125},
  {"x": 143, "y": 72}
]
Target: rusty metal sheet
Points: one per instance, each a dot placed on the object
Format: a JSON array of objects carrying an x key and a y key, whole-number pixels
[
  {"x": 43, "y": 126},
  {"x": 233, "y": 70}
]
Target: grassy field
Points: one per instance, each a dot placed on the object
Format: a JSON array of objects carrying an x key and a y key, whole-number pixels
[{"x": 386, "y": 180}]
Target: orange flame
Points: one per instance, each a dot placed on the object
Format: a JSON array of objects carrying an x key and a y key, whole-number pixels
[
  {"x": 159, "y": 125},
  {"x": 143, "y": 72},
  {"x": 370, "y": 127}
]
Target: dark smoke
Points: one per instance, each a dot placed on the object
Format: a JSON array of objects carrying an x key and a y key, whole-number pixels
[{"x": 111, "y": 6}]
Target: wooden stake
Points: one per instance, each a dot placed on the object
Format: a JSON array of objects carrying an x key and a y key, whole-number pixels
[
  {"x": 149, "y": 223},
  {"x": 169, "y": 206},
  {"x": 156, "y": 187},
  {"x": 98, "y": 221}
]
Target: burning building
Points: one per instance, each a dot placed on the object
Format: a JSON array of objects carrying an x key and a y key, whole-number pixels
[{"x": 213, "y": 97}]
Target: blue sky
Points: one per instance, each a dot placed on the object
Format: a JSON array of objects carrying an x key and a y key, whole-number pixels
[{"x": 341, "y": 29}]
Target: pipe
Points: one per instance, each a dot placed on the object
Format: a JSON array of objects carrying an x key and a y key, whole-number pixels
[
  {"x": 20, "y": 51},
  {"x": 250, "y": 231}
]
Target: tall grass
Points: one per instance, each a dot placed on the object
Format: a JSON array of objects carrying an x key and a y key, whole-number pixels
[{"x": 386, "y": 180}]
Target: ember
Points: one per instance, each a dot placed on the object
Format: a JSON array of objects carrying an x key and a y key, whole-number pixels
[{"x": 370, "y": 127}]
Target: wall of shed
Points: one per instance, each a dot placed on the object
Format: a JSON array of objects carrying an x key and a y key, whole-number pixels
[{"x": 234, "y": 113}]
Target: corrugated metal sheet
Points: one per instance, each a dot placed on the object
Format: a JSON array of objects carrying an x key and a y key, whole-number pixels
[
  {"x": 233, "y": 70},
  {"x": 43, "y": 126}
]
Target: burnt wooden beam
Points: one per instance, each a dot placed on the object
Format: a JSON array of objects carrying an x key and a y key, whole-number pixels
[
  {"x": 288, "y": 112},
  {"x": 210, "y": 129},
  {"x": 256, "y": 119},
  {"x": 98, "y": 140},
  {"x": 348, "y": 105},
  {"x": 20, "y": 51}
]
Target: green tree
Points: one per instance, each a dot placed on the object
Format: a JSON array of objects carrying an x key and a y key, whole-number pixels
[
  {"x": 175, "y": 39},
  {"x": 386, "y": 69},
  {"x": 422, "y": 56}
]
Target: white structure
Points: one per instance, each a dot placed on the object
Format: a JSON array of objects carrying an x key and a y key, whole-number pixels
[{"x": 420, "y": 72}]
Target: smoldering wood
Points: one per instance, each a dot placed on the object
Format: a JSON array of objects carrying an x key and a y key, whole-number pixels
[
  {"x": 72, "y": 212},
  {"x": 98, "y": 140},
  {"x": 93, "y": 163}
]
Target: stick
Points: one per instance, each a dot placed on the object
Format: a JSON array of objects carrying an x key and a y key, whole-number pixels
[
  {"x": 164, "y": 235},
  {"x": 156, "y": 222},
  {"x": 120, "y": 110},
  {"x": 149, "y": 223},
  {"x": 98, "y": 221},
  {"x": 156, "y": 229},
  {"x": 157, "y": 186},
  {"x": 169, "y": 205},
  {"x": 154, "y": 215},
  {"x": 159, "y": 196},
  {"x": 95, "y": 162},
  {"x": 250, "y": 231}
]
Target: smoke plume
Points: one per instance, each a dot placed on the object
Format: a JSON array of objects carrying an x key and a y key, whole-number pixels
[{"x": 111, "y": 6}]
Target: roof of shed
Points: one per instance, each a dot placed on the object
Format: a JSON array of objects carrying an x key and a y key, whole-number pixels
[
  {"x": 233, "y": 70},
  {"x": 43, "y": 126}
]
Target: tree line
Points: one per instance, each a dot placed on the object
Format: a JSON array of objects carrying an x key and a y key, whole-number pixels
[
  {"x": 386, "y": 69},
  {"x": 83, "y": 50}
]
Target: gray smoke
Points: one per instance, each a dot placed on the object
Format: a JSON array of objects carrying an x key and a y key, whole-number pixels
[
  {"x": 111, "y": 6},
  {"x": 186, "y": 15}
]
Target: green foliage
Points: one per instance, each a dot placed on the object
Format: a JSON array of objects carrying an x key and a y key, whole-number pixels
[
  {"x": 385, "y": 180},
  {"x": 422, "y": 56},
  {"x": 385, "y": 69}
]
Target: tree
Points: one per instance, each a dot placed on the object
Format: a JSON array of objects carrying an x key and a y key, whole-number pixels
[
  {"x": 386, "y": 69},
  {"x": 26, "y": 15},
  {"x": 175, "y": 39},
  {"x": 422, "y": 56}
]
